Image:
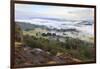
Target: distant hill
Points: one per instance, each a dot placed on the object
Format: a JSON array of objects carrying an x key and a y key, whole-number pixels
[
  {"x": 85, "y": 23},
  {"x": 29, "y": 26}
]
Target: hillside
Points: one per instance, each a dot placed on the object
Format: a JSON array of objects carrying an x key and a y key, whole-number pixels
[
  {"x": 48, "y": 48},
  {"x": 29, "y": 26},
  {"x": 26, "y": 55}
]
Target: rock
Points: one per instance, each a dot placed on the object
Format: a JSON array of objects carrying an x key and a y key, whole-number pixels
[{"x": 36, "y": 56}]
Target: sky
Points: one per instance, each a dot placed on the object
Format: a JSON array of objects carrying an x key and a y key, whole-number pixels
[{"x": 28, "y": 11}]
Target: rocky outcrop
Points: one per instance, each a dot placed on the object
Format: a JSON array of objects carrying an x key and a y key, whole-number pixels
[{"x": 27, "y": 56}]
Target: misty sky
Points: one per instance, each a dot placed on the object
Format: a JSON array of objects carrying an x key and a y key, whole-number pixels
[{"x": 27, "y": 11}]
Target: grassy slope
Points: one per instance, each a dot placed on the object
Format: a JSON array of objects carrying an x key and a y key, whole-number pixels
[{"x": 77, "y": 48}]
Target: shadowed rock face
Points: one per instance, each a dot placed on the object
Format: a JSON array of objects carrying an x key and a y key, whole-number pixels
[{"x": 18, "y": 33}]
